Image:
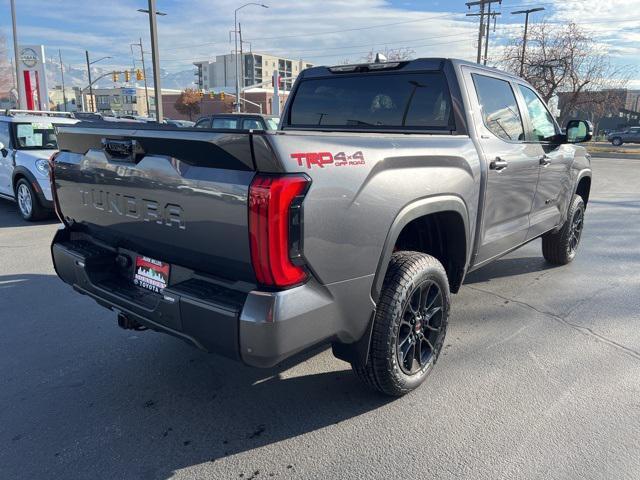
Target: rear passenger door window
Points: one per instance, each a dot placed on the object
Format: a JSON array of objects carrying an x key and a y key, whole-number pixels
[
  {"x": 542, "y": 125},
  {"x": 252, "y": 124},
  {"x": 499, "y": 108},
  {"x": 230, "y": 123},
  {"x": 203, "y": 123}
]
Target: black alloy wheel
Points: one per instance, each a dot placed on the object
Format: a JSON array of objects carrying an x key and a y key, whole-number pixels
[{"x": 420, "y": 328}]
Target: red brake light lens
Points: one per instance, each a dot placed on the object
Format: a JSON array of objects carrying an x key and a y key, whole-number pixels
[{"x": 273, "y": 214}]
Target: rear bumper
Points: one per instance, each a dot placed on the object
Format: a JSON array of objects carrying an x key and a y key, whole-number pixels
[{"x": 259, "y": 328}]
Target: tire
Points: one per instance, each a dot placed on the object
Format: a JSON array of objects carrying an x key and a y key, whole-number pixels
[
  {"x": 561, "y": 247},
  {"x": 415, "y": 282},
  {"x": 28, "y": 204},
  {"x": 616, "y": 141}
]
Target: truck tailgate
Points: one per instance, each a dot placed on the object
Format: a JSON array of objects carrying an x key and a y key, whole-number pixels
[{"x": 179, "y": 196}]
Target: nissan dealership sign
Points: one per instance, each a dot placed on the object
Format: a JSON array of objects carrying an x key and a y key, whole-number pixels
[{"x": 33, "y": 93}]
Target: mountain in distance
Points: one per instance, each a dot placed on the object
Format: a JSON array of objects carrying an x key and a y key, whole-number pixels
[{"x": 77, "y": 77}]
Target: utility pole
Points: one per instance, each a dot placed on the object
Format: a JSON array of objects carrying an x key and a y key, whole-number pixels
[
  {"x": 524, "y": 38},
  {"x": 486, "y": 43},
  {"x": 22, "y": 101},
  {"x": 241, "y": 61},
  {"x": 90, "y": 83},
  {"x": 144, "y": 73},
  {"x": 64, "y": 94},
  {"x": 481, "y": 4}
]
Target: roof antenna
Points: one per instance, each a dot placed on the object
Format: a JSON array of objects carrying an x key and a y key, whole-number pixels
[{"x": 380, "y": 58}]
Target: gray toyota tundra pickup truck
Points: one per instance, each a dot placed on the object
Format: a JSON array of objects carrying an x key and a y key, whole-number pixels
[{"x": 351, "y": 224}]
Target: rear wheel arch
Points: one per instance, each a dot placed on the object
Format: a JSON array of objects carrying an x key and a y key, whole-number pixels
[{"x": 437, "y": 226}]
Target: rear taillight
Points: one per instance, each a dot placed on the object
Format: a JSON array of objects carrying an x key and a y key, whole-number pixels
[
  {"x": 52, "y": 180},
  {"x": 275, "y": 229}
]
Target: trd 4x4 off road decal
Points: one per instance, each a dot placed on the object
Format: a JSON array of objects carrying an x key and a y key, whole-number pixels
[{"x": 321, "y": 159}]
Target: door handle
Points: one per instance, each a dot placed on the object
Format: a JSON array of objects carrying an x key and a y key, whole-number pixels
[
  {"x": 498, "y": 164},
  {"x": 545, "y": 160}
]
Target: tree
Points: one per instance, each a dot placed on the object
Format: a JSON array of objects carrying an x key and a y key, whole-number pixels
[
  {"x": 6, "y": 75},
  {"x": 566, "y": 62},
  {"x": 392, "y": 55},
  {"x": 188, "y": 103}
]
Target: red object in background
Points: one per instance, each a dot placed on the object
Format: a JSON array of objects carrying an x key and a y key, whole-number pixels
[
  {"x": 28, "y": 90},
  {"x": 40, "y": 106}
]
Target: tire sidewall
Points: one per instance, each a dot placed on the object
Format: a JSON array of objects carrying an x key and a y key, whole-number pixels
[
  {"x": 577, "y": 206},
  {"x": 402, "y": 380},
  {"x": 616, "y": 142}
]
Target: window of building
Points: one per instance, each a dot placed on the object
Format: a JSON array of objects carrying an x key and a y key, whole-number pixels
[
  {"x": 500, "y": 112},
  {"x": 103, "y": 100}
]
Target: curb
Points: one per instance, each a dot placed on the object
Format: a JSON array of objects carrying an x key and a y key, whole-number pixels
[{"x": 625, "y": 156}]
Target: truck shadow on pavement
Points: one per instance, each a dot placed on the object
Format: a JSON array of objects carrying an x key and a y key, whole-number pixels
[
  {"x": 508, "y": 267},
  {"x": 140, "y": 405}
]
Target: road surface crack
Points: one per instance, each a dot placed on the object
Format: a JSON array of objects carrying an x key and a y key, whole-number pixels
[{"x": 563, "y": 320}]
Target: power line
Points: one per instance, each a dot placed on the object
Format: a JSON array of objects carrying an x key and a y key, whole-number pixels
[
  {"x": 466, "y": 39},
  {"x": 327, "y": 32}
]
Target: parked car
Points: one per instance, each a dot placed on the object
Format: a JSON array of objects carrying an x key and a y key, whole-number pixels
[
  {"x": 352, "y": 225},
  {"x": 27, "y": 140},
  {"x": 179, "y": 123},
  {"x": 88, "y": 116},
  {"x": 630, "y": 135},
  {"x": 239, "y": 121}
]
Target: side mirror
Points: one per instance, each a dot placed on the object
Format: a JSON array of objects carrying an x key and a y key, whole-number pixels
[
  {"x": 3, "y": 150},
  {"x": 579, "y": 131}
]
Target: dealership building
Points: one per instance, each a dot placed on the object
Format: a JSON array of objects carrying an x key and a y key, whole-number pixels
[{"x": 124, "y": 101}]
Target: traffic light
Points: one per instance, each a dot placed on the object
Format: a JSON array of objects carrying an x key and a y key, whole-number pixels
[
  {"x": 211, "y": 95},
  {"x": 222, "y": 96},
  {"x": 127, "y": 76},
  {"x": 139, "y": 75},
  {"x": 115, "y": 77}
]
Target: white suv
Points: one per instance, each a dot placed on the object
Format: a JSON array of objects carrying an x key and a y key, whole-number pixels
[{"x": 27, "y": 140}]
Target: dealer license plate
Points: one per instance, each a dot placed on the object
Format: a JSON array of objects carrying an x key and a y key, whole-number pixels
[{"x": 151, "y": 274}]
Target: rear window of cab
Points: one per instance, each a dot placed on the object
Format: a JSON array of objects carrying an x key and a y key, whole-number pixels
[{"x": 380, "y": 101}]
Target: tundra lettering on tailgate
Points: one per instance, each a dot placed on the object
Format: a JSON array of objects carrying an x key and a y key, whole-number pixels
[{"x": 170, "y": 215}]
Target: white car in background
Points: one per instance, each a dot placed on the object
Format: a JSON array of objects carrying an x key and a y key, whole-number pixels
[{"x": 27, "y": 141}]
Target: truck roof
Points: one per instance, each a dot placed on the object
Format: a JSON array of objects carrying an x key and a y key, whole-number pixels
[{"x": 434, "y": 63}]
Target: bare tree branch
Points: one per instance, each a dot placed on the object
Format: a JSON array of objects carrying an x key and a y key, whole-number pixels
[{"x": 568, "y": 63}]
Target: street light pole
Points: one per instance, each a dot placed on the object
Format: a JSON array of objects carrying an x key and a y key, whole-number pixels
[
  {"x": 22, "y": 101},
  {"x": 155, "y": 59},
  {"x": 155, "y": 56},
  {"x": 90, "y": 82},
  {"x": 526, "y": 26},
  {"x": 235, "y": 35},
  {"x": 64, "y": 94},
  {"x": 89, "y": 73}
]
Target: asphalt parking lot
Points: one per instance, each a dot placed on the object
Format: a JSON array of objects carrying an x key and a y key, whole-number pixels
[{"x": 540, "y": 378}]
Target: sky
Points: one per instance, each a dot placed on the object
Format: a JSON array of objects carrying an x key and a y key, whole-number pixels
[{"x": 318, "y": 31}]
